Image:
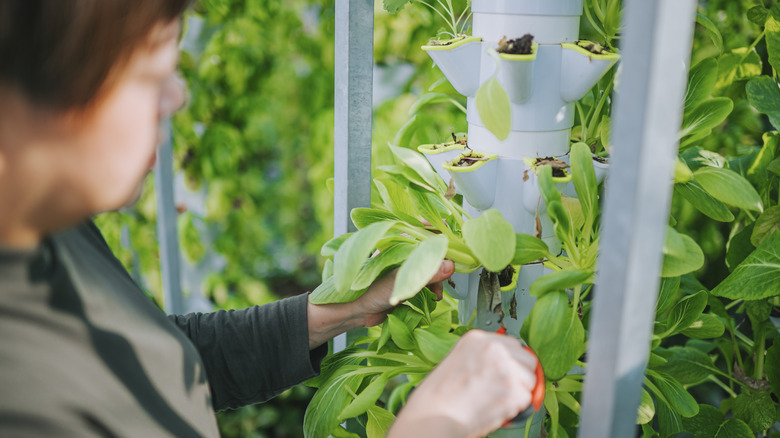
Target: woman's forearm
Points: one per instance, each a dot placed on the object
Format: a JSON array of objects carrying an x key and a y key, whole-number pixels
[{"x": 329, "y": 320}]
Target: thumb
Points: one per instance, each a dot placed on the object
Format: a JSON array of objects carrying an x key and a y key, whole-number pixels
[{"x": 446, "y": 270}]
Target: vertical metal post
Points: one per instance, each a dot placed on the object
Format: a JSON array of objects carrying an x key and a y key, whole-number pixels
[
  {"x": 167, "y": 231},
  {"x": 656, "y": 48},
  {"x": 354, "y": 63}
]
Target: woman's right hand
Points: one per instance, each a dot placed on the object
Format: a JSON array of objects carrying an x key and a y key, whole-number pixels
[{"x": 486, "y": 380}]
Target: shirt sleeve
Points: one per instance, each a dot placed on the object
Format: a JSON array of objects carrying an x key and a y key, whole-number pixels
[{"x": 253, "y": 354}]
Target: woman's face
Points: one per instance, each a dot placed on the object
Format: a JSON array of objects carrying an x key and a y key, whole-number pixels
[{"x": 110, "y": 148}]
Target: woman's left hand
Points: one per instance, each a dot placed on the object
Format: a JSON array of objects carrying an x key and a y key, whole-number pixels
[{"x": 374, "y": 305}]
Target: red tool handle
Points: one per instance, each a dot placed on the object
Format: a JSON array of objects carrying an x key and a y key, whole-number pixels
[{"x": 537, "y": 394}]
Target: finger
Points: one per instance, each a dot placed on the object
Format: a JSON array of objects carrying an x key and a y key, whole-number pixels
[
  {"x": 437, "y": 289},
  {"x": 518, "y": 352},
  {"x": 445, "y": 271}
]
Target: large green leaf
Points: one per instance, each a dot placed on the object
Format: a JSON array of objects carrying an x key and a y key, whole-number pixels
[
  {"x": 332, "y": 246},
  {"x": 674, "y": 245},
  {"x": 765, "y": 225},
  {"x": 729, "y": 187},
  {"x": 694, "y": 193},
  {"x": 679, "y": 399},
  {"x": 739, "y": 247},
  {"x": 712, "y": 31},
  {"x": 685, "y": 312},
  {"x": 434, "y": 346},
  {"x": 494, "y": 109},
  {"x": 560, "y": 281},
  {"x": 419, "y": 268},
  {"x": 706, "y": 423},
  {"x": 584, "y": 178},
  {"x": 556, "y": 337},
  {"x": 758, "y": 172},
  {"x": 667, "y": 294},
  {"x": 528, "y": 249},
  {"x": 757, "y": 277},
  {"x": 400, "y": 333},
  {"x": 756, "y": 409},
  {"x": 773, "y": 366},
  {"x": 562, "y": 221},
  {"x": 381, "y": 263},
  {"x": 702, "y": 119},
  {"x": 420, "y": 165},
  {"x": 737, "y": 66},
  {"x": 772, "y": 28},
  {"x": 378, "y": 422},
  {"x": 366, "y": 398},
  {"x": 354, "y": 252},
  {"x": 669, "y": 421},
  {"x": 764, "y": 95},
  {"x": 393, "y": 6},
  {"x": 492, "y": 240},
  {"x": 688, "y": 365},
  {"x": 693, "y": 259},
  {"x": 701, "y": 82},
  {"x": 323, "y": 411},
  {"x": 706, "y": 327},
  {"x": 646, "y": 408},
  {"x": 363, "y": 217},
  {"x": 758, "y": 15},
  {"x": 327, "y": 293},
  {"x": 395, "y": 198},
  {"x": 734, "y": 428}
]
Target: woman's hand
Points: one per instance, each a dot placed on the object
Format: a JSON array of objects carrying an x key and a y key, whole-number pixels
[
  {"x": 329, "y": 320},
  {"x": 483, "y": 382},
  {"x": 374, "y": 305}
]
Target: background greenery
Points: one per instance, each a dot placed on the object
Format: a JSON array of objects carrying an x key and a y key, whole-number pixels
[{"x": 256, "y": 143}]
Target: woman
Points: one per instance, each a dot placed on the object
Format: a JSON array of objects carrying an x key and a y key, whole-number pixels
[{"x": 84, "y": 85}]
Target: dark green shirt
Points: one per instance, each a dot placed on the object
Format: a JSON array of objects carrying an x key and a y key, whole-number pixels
[{"x": 84, "y": 352}]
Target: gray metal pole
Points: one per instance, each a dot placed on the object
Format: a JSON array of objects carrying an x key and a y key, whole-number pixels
[
  {"x": 354, "y": 65},
  {"x": 656, "y": 48},
  {"x": 167, "y": 231}
]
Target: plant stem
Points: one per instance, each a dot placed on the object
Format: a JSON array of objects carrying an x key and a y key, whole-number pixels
[
  {"x": 760, "y": 348},
  {"x": 732, "y": 304},
  {"x": 602, "y": 100},
  {"x": 583, "y": 123},
  {"x": 722, "y": 385},
  {"x": 736, "y": 347}
]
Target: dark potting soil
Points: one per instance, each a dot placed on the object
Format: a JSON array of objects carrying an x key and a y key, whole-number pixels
[
  {"x": 468, "y": 160},
  {"x": 592, "y": 47},
  {"x": 448, "y": 42},
  {"x": 518, "y": 46},
  {"x": 556, "y": 165},
  {"x": 601, "y": 160},
  {"x": 505, "y": 276}
]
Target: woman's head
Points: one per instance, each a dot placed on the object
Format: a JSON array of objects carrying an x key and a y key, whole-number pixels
[
  {"x": 60, "y": 53},
  {"x": 83, "y": 87}
]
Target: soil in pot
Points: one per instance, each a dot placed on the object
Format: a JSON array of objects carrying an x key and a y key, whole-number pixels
[
  {"x": 469, "y": 159},
  {"x": 518, "y": 46},
  {"x": 593, "y": 47},
  {"x": 505, "y": 276},
  {"x": 449, "y": 42},
  {"x": 456, "y": 140},
  {"x": 602, "y": 160},
  {"x": 558, "y": 166}
]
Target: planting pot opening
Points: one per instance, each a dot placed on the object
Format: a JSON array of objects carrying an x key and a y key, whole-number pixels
[
  {"x": 467, "y": 161},
  {"x": 518, "y": 46},
  {"x": 450, "y": 43},
  {"x": 560, "y": 169}
]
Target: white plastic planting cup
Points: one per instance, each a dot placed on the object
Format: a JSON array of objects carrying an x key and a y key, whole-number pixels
[
  {"x": 438, "y": 156},
  {"x": 477, "y": 182},
  {"x": 459, "y": 62},
  {"x": 516, "y": 75},
  {"x": 581, "y": 70}
]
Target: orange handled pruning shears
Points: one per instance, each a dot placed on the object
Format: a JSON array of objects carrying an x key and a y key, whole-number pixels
[{"x": 537, "y": 394}]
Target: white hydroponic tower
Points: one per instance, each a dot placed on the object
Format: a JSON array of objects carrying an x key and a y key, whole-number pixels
[{"x": 543, "y": 88}]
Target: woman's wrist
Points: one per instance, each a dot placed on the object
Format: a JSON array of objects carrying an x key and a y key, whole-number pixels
[{"x": 327, "y": 321}]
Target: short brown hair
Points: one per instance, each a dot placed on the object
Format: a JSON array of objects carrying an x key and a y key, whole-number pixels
[{"x": 60, "y": 53}]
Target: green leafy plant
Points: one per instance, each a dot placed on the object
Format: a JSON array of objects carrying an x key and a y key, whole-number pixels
[{"x": 456, "y": 22}]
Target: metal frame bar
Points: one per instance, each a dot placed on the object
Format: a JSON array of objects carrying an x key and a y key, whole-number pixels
[
  {"x": 167, "y": 231},
  {"x": 354, "y": 63},
  {"x": 648, "y": 112}
]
